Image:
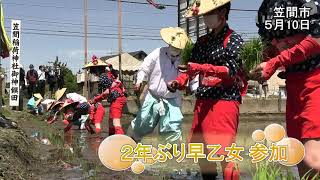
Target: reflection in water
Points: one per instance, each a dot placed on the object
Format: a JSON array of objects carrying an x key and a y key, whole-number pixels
[
  {"x": 94, "y": 143},
  {"x": 82, "y": 140},
  {"x": 90, "y": 144},
  {"x": 68, "y": 139}
]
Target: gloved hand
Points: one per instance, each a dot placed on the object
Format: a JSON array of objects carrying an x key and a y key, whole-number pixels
[
  {"x": 217, "y": 71},
  {"x": 300, "y": 52},
  {"x": 270, "y": 52},
  {"x": 52, "y": 119},
  {"x": 211, "y": 81},
  {"x": 173, "y": 86},
  {"x": 91, "y": 113},
  {"x": 100, "y": 97},
  {"x": 182, "y": 80},
  {"x": 137, "y": 88},
  {"x": 68, "y": 127},
  {"x": 89, "y": 128}
]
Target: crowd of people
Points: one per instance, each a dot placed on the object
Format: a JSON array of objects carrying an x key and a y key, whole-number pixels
[
  {"x": 76, "y": 109},
  {"x": 35, "y": 81},
  {"x": 216, "y": 67}
]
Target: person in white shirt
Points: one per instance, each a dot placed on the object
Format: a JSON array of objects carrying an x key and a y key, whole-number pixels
[
  {"x": 160, "y": 105},
  {"x": 82, "y": 108},
  {"x": 42, "y": 80}
]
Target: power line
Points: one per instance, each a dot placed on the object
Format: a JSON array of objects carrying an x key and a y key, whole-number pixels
[
  {"x": 81, "y": 24},
  {"x": 142, "y": 3},
  {"x": 81, "y": 36},
  {"x": 110, "y": 10},
  {"x": 114, "y": 34},
  {"x": 93, "y": 33},
  {"x": 232, "y": 9},
  {"x": 75, "y": 8},
  {"x": 244, "y": 10},
  {"x": 54, "y": 26}
]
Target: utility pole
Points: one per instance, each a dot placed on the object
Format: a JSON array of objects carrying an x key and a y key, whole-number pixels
[
  {"x": 179, "y": 18},
  {"x": 120, "y": 37},
  {"x": 85, "y": 85}
]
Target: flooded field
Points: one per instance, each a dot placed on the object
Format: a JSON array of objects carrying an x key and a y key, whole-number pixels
[
  {"x": 74, "y": 155},
  {"x": 171, "y": 169}
]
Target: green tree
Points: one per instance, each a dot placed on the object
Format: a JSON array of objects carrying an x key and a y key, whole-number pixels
[{"x": 70, "y": 79}]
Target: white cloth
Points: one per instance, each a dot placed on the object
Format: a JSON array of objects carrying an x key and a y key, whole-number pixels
[
  {"x": 158, "y": 69},
  {"x": 83, "y": 120},
  {"x": 41, "y": 75},
  {"x": 194, "y": 83},
  {"x": 47, "y": 103},
  {"x": 76, "y": 97}
]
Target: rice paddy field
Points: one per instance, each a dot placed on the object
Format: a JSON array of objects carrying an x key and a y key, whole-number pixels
[{"x": 74, "y": 155}]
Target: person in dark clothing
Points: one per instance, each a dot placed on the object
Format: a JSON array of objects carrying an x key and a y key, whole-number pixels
[
  {"x": 22, "y": 78},
  {"x": 32, "y": 80},
  {"x": 60, "y": 78},
  {"x": 52, "y": 81},
  {"x": 41, "y": 81},
  {"x": 22, "y": 87}
]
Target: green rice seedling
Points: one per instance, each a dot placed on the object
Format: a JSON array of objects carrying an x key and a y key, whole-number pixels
[
  {"x": 186, "y": 53},
  {"x": 251, "y": 54},
  {"x": 308, "y": 175}
]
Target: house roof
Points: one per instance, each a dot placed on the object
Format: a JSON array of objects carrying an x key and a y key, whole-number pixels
[
  {"x": 128, "y": 62},
  {"x": 134, "y": 54}
]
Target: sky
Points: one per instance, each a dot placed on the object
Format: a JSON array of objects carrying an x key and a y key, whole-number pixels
[{"x": 141, "y": 24}]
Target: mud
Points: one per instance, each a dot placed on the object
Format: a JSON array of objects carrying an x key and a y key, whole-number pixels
[{"x": 73, "y": 155}]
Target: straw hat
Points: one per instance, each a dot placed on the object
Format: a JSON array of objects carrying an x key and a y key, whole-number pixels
[
  {"x": 95, "y": 62},
  {"x": 175, "y": 37},
  {"x": 68, "y": 102},
  {"x": 54, "y": 104},
  {"x": 39, "y": 97},
  {"x": 59, "y": 93},
  {"x": 201, "y": 7}
]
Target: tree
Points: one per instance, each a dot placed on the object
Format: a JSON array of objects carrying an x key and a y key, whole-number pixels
[{"x": 70, "y": 80}]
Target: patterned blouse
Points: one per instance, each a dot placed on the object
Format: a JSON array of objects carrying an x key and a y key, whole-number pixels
[
  {"x": 210, "y": 49},
  {"x": 270, "y": 9},
  {"x": 105, "y": 82}
]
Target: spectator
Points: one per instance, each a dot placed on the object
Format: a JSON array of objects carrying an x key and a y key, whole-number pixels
[
  {"x": 22, "y": 87},
  {"x": 42, "y": 81},
  {"x": 22, "y": 78},
  {"x": 60, "y": 78},
  {"x": 52, "y": 80},
  {"x": 34, "y": 104},
  {"x": 32, "y": 80}
]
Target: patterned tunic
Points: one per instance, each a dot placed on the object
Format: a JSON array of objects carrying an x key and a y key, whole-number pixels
[
  {"x": 210, "y": 49},
  {"x": 267, "y": 11},
  {"x": 106, "y": 82}
]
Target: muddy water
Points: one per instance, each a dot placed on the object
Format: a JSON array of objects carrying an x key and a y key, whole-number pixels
[{"x": 186, "y": 170}]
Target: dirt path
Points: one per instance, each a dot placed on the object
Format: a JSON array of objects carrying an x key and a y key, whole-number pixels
[{"x": 24, "y": 156}]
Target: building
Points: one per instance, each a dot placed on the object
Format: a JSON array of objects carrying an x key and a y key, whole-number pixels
[
  {"x": 140, "y": 55},
  {"x": 129, "y": 66}
]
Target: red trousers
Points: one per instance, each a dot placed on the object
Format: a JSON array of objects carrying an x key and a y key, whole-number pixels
[
  {"x": 98, "y": 117},
  {"x": 116, "y": 107},
  {"x": 98, "y": 114},
  {"x": 303, "y": 105},
  {"x": 215, "y": 123}
]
